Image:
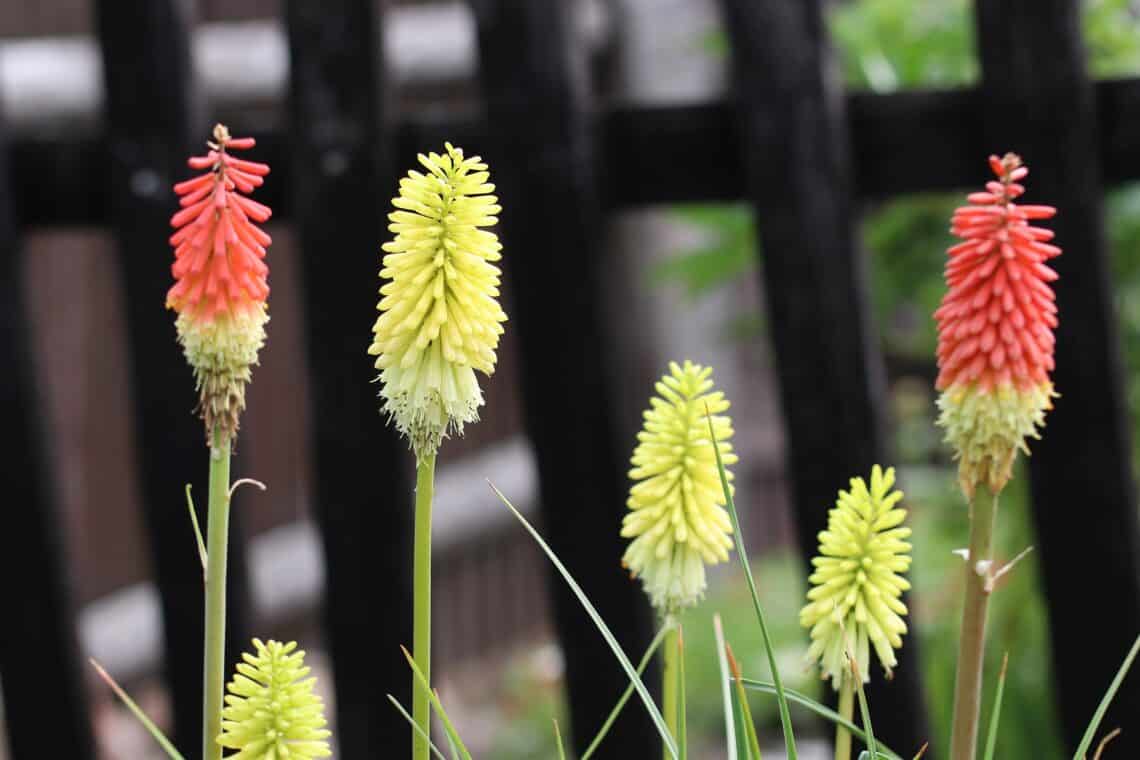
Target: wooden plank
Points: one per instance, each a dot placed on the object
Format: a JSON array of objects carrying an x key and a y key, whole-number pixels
[
  {"x": 363, "y": 497},
  {"x": 830, "y": 371},
  {"x": 542, "y": 159},
  {"x": 1041, "y": 105},
  {"x": 45, "y": 699},
  {"x": 152, "y": 127},
  {"x": 904, "y": 142}
]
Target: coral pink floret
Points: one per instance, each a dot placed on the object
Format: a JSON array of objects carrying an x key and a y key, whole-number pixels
[
  {"x": 218, "y": 248},
  {"x": 995, "y": 324}
]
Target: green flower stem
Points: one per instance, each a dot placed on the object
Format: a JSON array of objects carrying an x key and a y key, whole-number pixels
[
  {"x": 421, "y": 634},
  {"x": 847, "y": 710},
  {"x": 217, "y": 539},
  {"x": 972, "y": 641},
  {"x": 669, "y": 681}
]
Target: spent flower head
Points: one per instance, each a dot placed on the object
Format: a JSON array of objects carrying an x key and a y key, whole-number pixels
[
  {"x": 995, "y": 329},
  {"x": 440, "y": 319},
  {"x": 854, "y": 603},
  {"x": 271, "y": 712},
  {"x": 677, "y": 518},
  {"x": 220, "y": 285}
]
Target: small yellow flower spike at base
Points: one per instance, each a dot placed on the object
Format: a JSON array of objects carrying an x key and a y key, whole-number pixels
[
  {"x": 271, "y": 711},
  {"x": 854, "y": 603},
  {"x": 677, "y": 518},
  {"x": 439, "y": 318}
]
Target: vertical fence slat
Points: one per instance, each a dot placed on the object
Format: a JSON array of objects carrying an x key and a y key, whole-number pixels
[
  {"x": 1041, "y": 105},
  {"x": 152, "y": 127},
  {"x": 363, "y": 494},
  {"x": 830, "y": 370},
  {"x": 542, "y": 160},
  {"x": 44, "y": 700}
]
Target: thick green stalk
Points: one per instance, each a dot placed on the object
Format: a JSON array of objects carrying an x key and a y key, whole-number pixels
[
  {"x": 217, "y": 539},
  {"x": 669, "y": 681},
  {"x": 421, "y": 634},
  {"x": 847, "y": 710},
  {"x": 972, "y": 640}
]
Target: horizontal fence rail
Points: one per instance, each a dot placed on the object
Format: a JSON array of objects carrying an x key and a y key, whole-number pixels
[{"x": 904, "y": 142}]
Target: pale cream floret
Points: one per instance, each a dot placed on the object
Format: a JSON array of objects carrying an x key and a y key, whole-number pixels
[
  {"x": 222, "y": 352},
  {"x": 987, "y": 429}
]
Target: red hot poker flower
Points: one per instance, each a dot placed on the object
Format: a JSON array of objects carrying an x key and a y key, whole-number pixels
[
  {"x": 218, "y": 247},
  {"x": 995, "y": 327},
  {"x": 220, "y": 285}
]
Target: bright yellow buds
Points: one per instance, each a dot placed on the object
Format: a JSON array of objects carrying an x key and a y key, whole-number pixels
[
  {"x": 439, "y": 318},
  {"x": 677, "y": 518},
  {"x": 854, "y": 601},
  {"x": 271, "y": 711}
]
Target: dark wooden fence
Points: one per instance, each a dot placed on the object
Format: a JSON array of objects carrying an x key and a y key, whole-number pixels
[{"x": 803, "y": 152}]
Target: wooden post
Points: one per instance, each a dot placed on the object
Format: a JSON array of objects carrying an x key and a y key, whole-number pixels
[
  {"x": 832, "y": 382},
  {"x": 543, "y": 163},
  {"x": 1041, "y": 105},
  {"x": 152, "y": 128},
  {"x": 363, "y": 497},
  {"x": 44, "y": 696}
]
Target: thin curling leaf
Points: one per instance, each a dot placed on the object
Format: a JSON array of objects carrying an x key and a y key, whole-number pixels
[
  {"x": 440, "y": 319},
  {"x": 625, "y": 695},
  {"x": 634, "y": 678},
  {"x": 1106, "y": 700},
  {"x": 416, "y": 726},
  {"x": 271, "y": 712},
  {"x": 726, "y": 693},
  {"x": 864, "y": 709},
  {"x": 995, "y": 716},
  {"x": 995, "y": 329},
  {"x": 749, "y": 727},
  {"x": 855, "y": 600},
  {"x": 742, "y": 556},
  {"x": 822, "y": 711},
  {"x": 677, "y": 518},
  {"x": 448, "y": 726},
  {"x": 137, "y": 711},
  {"x": 220, "y": 287},
  {"x": 558, "y": 742}
]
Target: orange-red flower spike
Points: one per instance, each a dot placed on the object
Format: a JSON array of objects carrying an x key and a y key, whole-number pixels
[
  {"x": 995, "y": 328},
  {"x": 220, "y": 287}
]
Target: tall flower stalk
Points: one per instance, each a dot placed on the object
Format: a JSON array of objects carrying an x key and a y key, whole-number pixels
[
  {"x": 677, "y": 518},
  {"x": 439, "y": 323},
  {"x": 995, "y": 353},
  {"x": 219, "y": 294}
]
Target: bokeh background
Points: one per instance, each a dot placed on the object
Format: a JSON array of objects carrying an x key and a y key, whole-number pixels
[{"x": 677, "y": 281}]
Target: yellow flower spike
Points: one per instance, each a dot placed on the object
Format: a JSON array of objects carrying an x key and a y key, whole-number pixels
[
  {"x": 854, "y": 603},
  {"x": 439, "y": 318},
  {"x": 271, "y": 711},
  {"x": 677, "y": 518}
]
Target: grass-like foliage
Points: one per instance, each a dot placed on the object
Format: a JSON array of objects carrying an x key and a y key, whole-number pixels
[{"x": 635, "y": 679}]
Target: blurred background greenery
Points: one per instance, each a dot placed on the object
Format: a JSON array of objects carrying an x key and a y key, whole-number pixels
[{"x": 887, "y": 45}]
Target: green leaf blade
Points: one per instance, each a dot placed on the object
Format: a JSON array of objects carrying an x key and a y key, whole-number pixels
[{"x": 650, "y": 706}]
